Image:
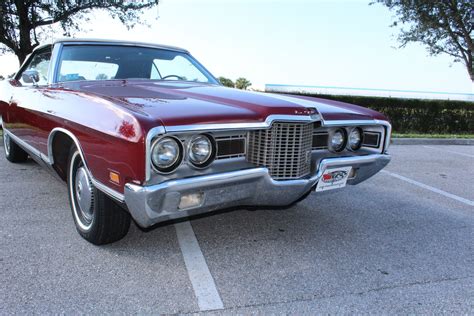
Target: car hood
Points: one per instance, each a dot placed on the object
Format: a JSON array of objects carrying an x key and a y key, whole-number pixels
[{"x": 179, "y": 103}]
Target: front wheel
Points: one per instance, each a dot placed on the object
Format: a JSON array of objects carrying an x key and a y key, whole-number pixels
[
  {"x": 98, "y": 218},
  {"x": 13, "y": 152}
]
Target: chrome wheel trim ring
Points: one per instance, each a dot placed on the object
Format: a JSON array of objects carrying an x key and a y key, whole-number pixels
[
  {"x": 6, "y": 143},
  {"x": 82, "y": 196}
]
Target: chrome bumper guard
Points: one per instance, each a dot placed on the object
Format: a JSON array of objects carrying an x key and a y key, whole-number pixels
[{"x": 152, "y": 204}]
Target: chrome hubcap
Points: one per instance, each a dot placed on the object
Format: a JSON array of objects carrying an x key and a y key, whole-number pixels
[
  {"x": 84, "y": 195},
  {"x": 6, "y": 142}
]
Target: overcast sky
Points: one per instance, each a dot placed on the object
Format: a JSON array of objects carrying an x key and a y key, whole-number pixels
[{"x": 331, "y": 43}]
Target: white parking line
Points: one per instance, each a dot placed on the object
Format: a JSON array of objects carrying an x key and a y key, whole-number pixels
[
  {"x": 451, "y": 151},
  {"x": 432, "y": 189},
  {"x": 201, "y": 279}
]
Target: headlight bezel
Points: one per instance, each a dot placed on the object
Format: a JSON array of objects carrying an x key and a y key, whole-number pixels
[
  {"x": 176, "y": 163},
  {"x": 343, "y": 144},
  {"x": 212, "y": 154},
  {"x": 361, "y": 139}
]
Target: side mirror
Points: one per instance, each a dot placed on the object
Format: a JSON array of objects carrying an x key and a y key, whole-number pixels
[{"x": 30, "y": 76}]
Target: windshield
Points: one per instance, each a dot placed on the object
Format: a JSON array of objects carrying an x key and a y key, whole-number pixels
[{"x": 104, "y": 62}]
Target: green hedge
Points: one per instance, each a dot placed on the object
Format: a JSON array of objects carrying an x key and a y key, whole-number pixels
[{"x": 416, "y": 115}]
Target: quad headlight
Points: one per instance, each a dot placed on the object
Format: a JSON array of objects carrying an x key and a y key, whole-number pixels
[
  {"x": 355, "y": 139},
  {"x": 338, "y": 140},
  {"x": 166, "y": 154},
  {"x": 201, "y": 150}
]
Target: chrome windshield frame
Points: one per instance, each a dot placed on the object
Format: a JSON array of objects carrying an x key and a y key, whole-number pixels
[{"x": 59, "y": 46}]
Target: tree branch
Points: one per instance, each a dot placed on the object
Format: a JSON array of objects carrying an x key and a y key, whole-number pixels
[
  {"x": 454, "y": 38},
  {"x": 21, "y": 18},
  {"x": 458, "y": 19}
]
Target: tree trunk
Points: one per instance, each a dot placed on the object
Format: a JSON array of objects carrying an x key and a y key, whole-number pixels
[
  {"x": 24, "y": 26},
  {"x": 21, "y": 57},
  {"x": 470, "y": 70}
]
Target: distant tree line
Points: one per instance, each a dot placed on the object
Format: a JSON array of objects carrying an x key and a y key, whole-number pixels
[
  {"x": 418, "y": 116},
  {"x": 241, "y": 83}
]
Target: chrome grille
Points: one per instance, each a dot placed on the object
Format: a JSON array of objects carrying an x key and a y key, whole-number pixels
[{"x": 285, "y": 149}]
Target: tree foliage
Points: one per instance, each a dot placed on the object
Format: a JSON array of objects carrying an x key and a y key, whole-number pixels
[
  {"x": 242, "y": 83},
  {"x": 226, "y": 82},
  {"x": 22, "y": 20},
  {"x": 443, "y": 26}
]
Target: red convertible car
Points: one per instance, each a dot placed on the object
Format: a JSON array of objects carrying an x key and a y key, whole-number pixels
[{"x": 144, "y": 132}]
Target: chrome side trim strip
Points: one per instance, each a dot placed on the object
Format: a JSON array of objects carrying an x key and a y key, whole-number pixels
[
  {"x": 25, "y": 146},
  {"x": 99, "y": 185},
  {"x": 110, "y": 192},
  {"x": 50, "y": 159}
]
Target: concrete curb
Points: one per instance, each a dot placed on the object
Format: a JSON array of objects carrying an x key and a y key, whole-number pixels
[{"x": 433, "y": 141}]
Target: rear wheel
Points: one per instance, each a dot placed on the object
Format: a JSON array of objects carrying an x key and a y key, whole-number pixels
[
  {"x": 13, "y": 152},
  {"x": 98, "y": 218}
]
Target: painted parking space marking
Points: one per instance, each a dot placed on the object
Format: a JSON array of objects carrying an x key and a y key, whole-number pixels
[
  {"x": 451, "y": 151},
  {"x": 430, "y": 188},
  {"x": 201, "y": 279}
]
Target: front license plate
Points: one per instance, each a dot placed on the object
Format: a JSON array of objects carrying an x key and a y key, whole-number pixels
[{"x": 334, "y": 178}]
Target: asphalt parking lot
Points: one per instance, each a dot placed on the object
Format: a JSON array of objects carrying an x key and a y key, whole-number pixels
[{"x": 401, "y": 242}]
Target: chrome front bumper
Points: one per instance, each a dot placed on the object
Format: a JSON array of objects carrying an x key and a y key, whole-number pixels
[{"x": 152, "y": 204}]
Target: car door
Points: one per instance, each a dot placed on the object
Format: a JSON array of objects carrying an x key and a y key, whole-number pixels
[{"x": 28, "y": 98}]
